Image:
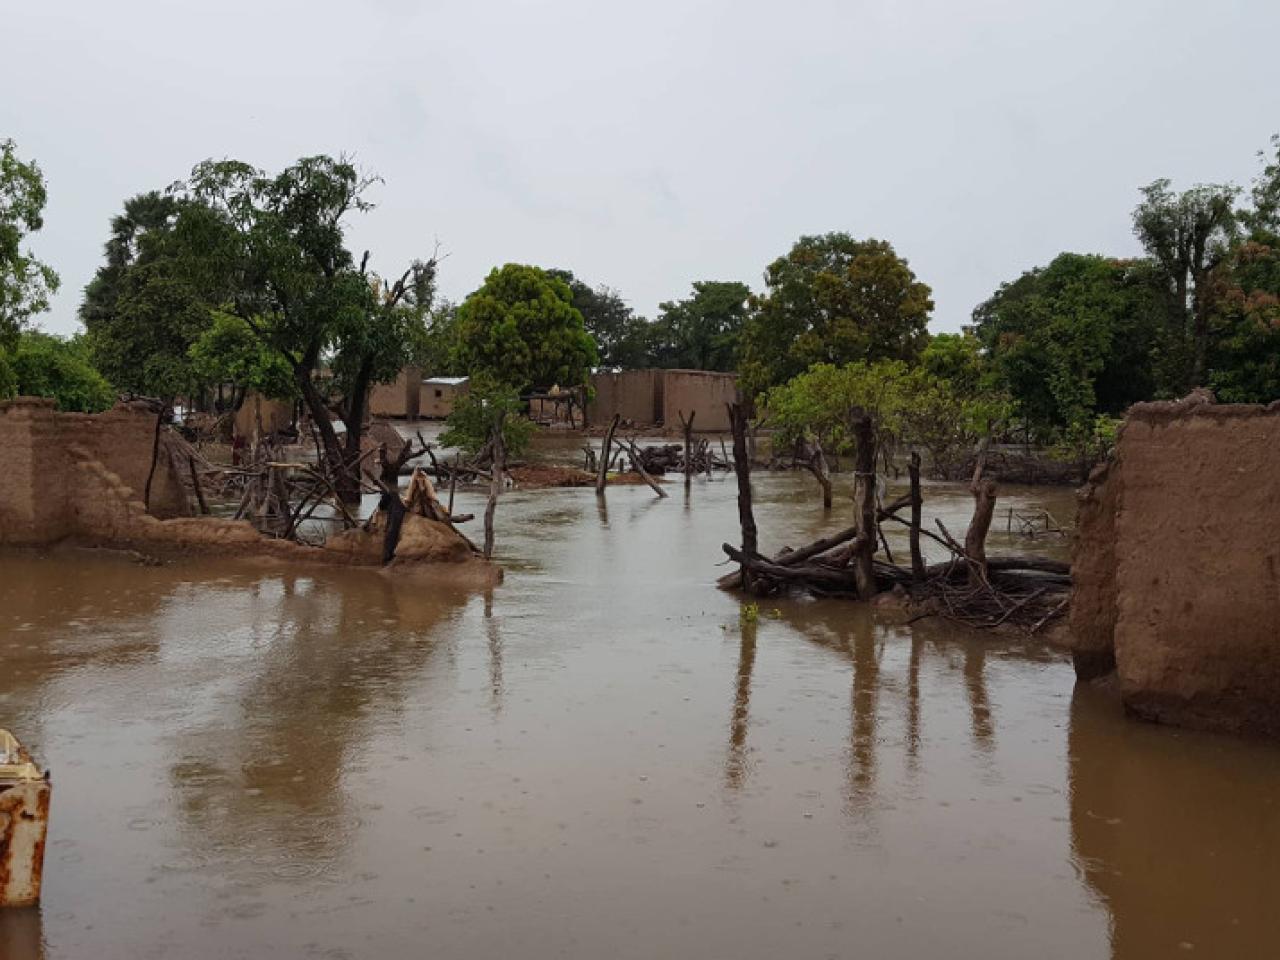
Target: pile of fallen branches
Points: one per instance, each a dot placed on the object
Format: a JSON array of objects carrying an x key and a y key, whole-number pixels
[
  {"x": 658, "y": 460},
  {"x": 1019, "y": 591}
]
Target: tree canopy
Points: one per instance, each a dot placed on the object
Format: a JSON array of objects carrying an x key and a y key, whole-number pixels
[
  {"x": 25, "y": 283},
  {"x": 522, "y": 330},
  {"x": 702, "y": 332},
  {"x": 1073, "y": 338},
  {"x": 1187, "y": 235},
  {"x": 833, "y": 299},
  {"x": 40, "y": 365},
  {"x": 623, "y": 339}
]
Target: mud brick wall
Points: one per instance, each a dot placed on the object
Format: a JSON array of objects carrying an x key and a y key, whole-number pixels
[
  {"x": 41, "y": 448},
  {"x": 630, "y": 394},
  {"x": 703, "y": 391},
  {"x": 32, "y": 504},
  {"x": 1178, "y": 561},
  {"x": 399, "y": 398}
]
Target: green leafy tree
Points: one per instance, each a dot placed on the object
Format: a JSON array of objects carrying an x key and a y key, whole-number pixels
[
  {"x": 434, "y": 343},
  {"x": 1244, "y": 351},
  {"x": 41, "y": 365},
  {"x": 833, "y": 299},
  {"x": 145, "y": 307},
  {"x": 906, "y": 404},
  {"x": 275, "y": 245},
  {"x": 520, "y": 329},
  {"x": 1187, "y": 235},
  {"x": 619, "y": 335},
  {"x": 26, "y": 284},
  {"x": 1072, "y": 339},
  {"x": 958, "y": 359},
  {"x": 229, "y": 352},
  {"x": 702, "y": 332},
  {"x": 470, "y": 424}
]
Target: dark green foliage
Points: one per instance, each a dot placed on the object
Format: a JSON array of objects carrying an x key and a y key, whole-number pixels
[
  {"x": 521, "y": 329},
  {"x": 145, "y": 307},
  {"x": 1187, "y": 236},
  {"x": 40, "y": 365},
  {"x": 1072, "y": 339},
  {"x": 25, "y": 283},
  {"x": 623, "y": 340},
  {"x": 702, "y": 332},
  {"x": 833, "y": 299}
]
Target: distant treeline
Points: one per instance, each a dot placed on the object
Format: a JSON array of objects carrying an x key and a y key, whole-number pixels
[{"x": 237, "y": 279}]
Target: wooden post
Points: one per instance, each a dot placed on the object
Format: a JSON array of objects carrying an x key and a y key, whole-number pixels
[
  {"x": 688, "y": 445},
  {"x": 453, "y": 479},
  {"x": 495, "y": 482},
  {"x": 195, "y": 482},
  {"x": 742, "y": 468},
  {"x": 865, "y": 497},
  {"x": 917, "y": 503},
  {"x": 604, "y": 454}
]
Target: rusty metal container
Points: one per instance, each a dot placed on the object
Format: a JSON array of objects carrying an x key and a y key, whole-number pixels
[{"x": 24, "y": 824}]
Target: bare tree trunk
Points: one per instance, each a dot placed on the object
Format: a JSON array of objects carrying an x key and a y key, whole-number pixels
[
  {"x": 818, "y": 467},
  {"x": 865, "y": 497},
  {"x": 917, "y": 504},
  {"x": 984, "y": 506},
  {"x": 495, "y": 482},
  {"x": 742, "y": 468},
  {"x": 688, "y": 445},
  {"x": 604, "y": 454}
]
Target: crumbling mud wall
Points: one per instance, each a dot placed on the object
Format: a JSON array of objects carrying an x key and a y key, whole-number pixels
[
  {"x": 80, "y": 477},
  {"x": 1177, "y": 565},
  {"x": 36, "y": 442},
  {"x": 260, "y": 415}
]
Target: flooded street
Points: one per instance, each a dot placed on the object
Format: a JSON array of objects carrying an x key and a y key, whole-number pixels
[{"x": 603, "y": 758}]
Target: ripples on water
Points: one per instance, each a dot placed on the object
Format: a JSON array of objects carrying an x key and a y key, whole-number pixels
[{"x": 602, "y": 759}]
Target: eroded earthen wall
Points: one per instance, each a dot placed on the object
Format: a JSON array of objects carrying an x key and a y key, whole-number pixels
[
  {"x": 1195, "y": 511},
  {"x": 42, "y": 448}
]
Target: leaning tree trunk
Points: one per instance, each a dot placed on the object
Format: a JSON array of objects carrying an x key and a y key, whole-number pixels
[
  {"x": 601, "y": 477},
  {"x": 345, "y": 482},
  {"x": 984, "y": 508}
]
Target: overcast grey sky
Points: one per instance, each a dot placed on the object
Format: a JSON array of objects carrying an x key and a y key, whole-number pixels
[{"x": 648, "y": 145}]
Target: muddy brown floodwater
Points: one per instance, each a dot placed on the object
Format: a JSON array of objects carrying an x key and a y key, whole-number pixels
[{"x": 602, "y": 759}]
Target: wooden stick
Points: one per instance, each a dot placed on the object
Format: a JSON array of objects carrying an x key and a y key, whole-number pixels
[
  {"x": 604, "y": 454},
  {"x": 864, "y": 574},
  {"x": 742, "y": 468},
  {"x": 917, "y": 505}
]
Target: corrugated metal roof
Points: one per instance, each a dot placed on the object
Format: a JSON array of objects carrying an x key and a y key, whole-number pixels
[{"x": 447, "y": 381}]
